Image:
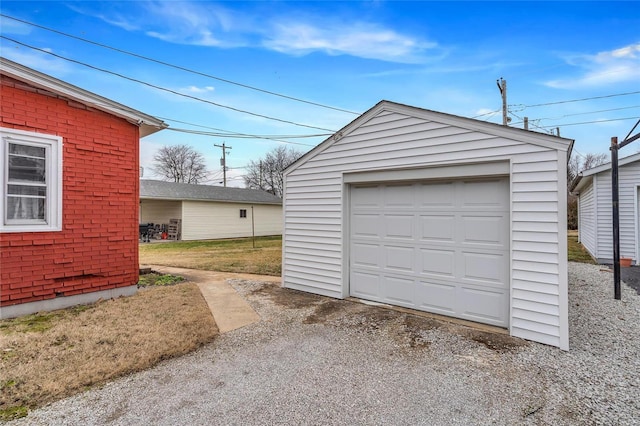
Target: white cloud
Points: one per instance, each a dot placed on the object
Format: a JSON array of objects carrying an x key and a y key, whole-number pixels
[
  {"x": 37, "y": 60},
  {"x": 356, "y": 39},
  {"x": 198, "y": 90},
  {"x": 191, "y": 23},
  {"x": 204, "y": 24},
  {"x": 484, "y": 112},
  {"x": 10, "y": 26},
  {"x": 604, "y": 68}
]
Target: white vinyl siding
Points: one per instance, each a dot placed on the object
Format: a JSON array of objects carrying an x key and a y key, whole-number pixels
[
  {"x": 202, "y": 220},
  {"x": 316, "y": 220},
  {"x": 587, "y": 220},
  {"x": 628, "y": 179}
]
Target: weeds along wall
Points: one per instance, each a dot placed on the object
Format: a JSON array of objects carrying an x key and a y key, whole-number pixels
[{"x": 97, "y": 248}]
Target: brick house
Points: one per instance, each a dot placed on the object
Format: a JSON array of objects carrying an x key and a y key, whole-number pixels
[{"x": 69, "y": 161}]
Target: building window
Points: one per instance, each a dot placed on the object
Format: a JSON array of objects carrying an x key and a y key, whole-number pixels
[
  {"x": 243, "y": 213},
  {"x": 31, "y": 193}
]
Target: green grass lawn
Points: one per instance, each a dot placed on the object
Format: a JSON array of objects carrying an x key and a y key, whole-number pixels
[
  {"x": 577, "y": 252},
  {"x": 234, "y": 255}
]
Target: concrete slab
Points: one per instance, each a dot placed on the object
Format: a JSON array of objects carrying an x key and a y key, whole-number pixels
[{"x": 229, "y": 309}]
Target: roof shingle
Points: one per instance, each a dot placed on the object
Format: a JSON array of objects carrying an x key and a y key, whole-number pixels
[{"x": 155, "y": 189}]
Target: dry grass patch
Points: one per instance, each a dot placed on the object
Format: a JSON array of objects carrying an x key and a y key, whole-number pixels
[
  {"x": 50, "y": 356},
  {"x": 236, "y": 255}
]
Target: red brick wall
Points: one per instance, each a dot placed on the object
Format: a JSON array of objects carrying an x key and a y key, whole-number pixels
[{"x": 97, "y": 248}]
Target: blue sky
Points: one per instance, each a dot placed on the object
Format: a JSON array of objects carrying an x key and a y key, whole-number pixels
[{"x": 444, "y": 56}]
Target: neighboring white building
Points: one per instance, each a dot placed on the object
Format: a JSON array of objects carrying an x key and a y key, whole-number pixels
[
  {"x": 210, "y": 212},
  {"x": 595, "y": 214},
  {"x": 434, "y": 212}
]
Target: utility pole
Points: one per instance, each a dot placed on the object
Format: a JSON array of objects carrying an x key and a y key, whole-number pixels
[
  {"x": 615, "y": 204},
  {"x": 223, "y": 161},
  {"x": 502, "y": 85},
  {"x": 616, "y": 218}
]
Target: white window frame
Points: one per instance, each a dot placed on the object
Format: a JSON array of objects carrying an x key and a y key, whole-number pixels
[{"x": 53, "y": 179}]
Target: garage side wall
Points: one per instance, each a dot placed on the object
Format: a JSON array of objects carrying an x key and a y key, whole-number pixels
[
  {"x": 202, "y": 220},
  {"x": 628, "y": 178},
  {"x": 587, "y": 219},
  {"x": 313, "y": 251}
]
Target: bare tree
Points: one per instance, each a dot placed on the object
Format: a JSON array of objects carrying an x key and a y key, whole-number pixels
[
  {"x": 576, "y": 165},
  {"x": 584, "y": 162},
  {"x": 180, "y": 163},
  {"x": 268, "y": 172}
]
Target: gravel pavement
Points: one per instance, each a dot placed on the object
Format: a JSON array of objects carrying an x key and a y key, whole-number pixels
[{"x": 316, "y": 361}]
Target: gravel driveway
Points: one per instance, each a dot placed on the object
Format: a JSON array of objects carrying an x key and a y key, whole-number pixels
[{"x": 314, "y": 360}]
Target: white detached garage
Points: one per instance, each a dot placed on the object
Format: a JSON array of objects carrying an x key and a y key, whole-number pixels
[
  {"x": 595, "y": 216},
  {"x": 434, "y": 212}
]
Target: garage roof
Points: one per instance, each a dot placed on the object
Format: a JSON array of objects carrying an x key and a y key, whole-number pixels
[{"x": 159, "y": 190}]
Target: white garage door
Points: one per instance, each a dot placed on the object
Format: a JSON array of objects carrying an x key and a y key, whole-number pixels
[{"x": 441, "y": 247}]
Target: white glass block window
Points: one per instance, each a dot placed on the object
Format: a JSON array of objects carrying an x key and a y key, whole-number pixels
[{"x": 32, "y": 181}]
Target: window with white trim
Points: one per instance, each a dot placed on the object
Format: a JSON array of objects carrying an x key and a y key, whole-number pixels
[{"x": 31, "y": 193}]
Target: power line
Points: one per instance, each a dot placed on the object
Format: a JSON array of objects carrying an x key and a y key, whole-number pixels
[
  {"x": 575, "y": 100},
  {"x": 591, "y": 122},
  {"x": 530, "y": 122},
  {"x": 146, "y": 58},
  {"x": 165, "y": 89},
  {"x": 584, "y": 113},
  {"x": 232, "y": 134},
  {"x": 228, "y": 135}
]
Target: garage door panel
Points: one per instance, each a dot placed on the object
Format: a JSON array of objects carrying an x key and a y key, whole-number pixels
[
  {"x": 439, "y": 247},
  {"x": 437, "y": 228},
  {"x": 365, "y": 285},
  {"x": 486, "y": 230},
  {"x": 366, "y": 225},
  {"x": 398, "y": 196},
  {"x": 366, "y": 255},
  {"x": 437, "y": 262},
  {"x": 436, "y": 297},
  {"x": 398, "y": 290},
  {"x": 483, "y": 194},
  {"x": 435, "y": 195},
  {"x": 486, "y": 268},
  {"x": 399, "y": 258},
  {"x": 399, "y": 226},
  {"x": 366, "y": 197},
  {"x": 484, "y": 306}
]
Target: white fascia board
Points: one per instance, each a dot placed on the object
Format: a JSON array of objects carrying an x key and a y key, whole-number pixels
[
  {"x": 582, "y": 183},
  {"x": 147, "y": 123},
  {"x": 526, "y": 136}
]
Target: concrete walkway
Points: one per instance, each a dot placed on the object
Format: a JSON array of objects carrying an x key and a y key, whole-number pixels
[{"x": 229, "y": 309}]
